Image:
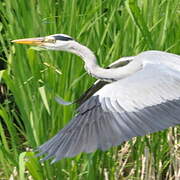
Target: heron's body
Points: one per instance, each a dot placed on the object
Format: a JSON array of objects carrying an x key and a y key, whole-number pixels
[{"x": 139, "y": 98}]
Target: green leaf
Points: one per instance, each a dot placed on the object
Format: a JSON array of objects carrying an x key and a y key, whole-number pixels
[
  {"x": 139, "y": 21},
  {"x": 22, "y": 165},
  {"x": 44, "y": 98},
  {"x": 1, "y": 74},
  {"x": 29, "y": 161}
]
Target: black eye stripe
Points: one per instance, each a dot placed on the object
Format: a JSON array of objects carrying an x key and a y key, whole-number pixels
[{"x": 62, "y": 38}]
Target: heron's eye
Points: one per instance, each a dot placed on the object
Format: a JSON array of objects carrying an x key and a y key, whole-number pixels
[{"x": 49, "y": 40}]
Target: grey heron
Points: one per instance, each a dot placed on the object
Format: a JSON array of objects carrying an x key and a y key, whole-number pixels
[{"x": 136, "y": 99}]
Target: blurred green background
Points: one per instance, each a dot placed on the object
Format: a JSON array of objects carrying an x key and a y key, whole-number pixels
[{"x": 30, "y": 79}]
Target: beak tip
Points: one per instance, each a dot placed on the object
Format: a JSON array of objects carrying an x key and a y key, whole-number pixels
[{"x": 16, "y": 41}]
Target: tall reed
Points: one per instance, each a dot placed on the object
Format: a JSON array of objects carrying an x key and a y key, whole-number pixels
[{"x": 30, "y": 115}]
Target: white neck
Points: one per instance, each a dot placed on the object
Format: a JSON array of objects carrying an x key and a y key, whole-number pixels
[{"x": 100, "y": 73}]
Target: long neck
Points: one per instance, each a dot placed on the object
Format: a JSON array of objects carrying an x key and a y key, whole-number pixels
[{"x": 95, "y": 70}]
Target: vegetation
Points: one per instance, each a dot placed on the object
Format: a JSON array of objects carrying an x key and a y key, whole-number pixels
[{"x": 28, "y": 111}]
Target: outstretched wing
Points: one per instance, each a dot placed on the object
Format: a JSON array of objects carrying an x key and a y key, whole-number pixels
[{"x": 143, "y": 103}]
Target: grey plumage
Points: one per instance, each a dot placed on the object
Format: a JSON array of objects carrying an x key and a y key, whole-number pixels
[
  {"x": 146, "y": 102},
  {"x": 139, "y": 98}
]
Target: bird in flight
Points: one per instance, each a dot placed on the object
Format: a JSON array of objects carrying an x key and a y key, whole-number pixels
[{"x": 134, "y": 96}]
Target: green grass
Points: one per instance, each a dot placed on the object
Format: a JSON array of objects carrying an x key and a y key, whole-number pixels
[{"x": 30, "y": 115}]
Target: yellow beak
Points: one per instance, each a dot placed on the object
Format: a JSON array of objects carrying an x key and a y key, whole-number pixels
[{"x": 30, "y": 41}]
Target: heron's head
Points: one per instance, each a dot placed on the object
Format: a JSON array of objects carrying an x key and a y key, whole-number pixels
[{"x": 53, "y": 42}]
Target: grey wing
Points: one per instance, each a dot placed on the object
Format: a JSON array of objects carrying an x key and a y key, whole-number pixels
[{"x": 143, "y": 103}]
